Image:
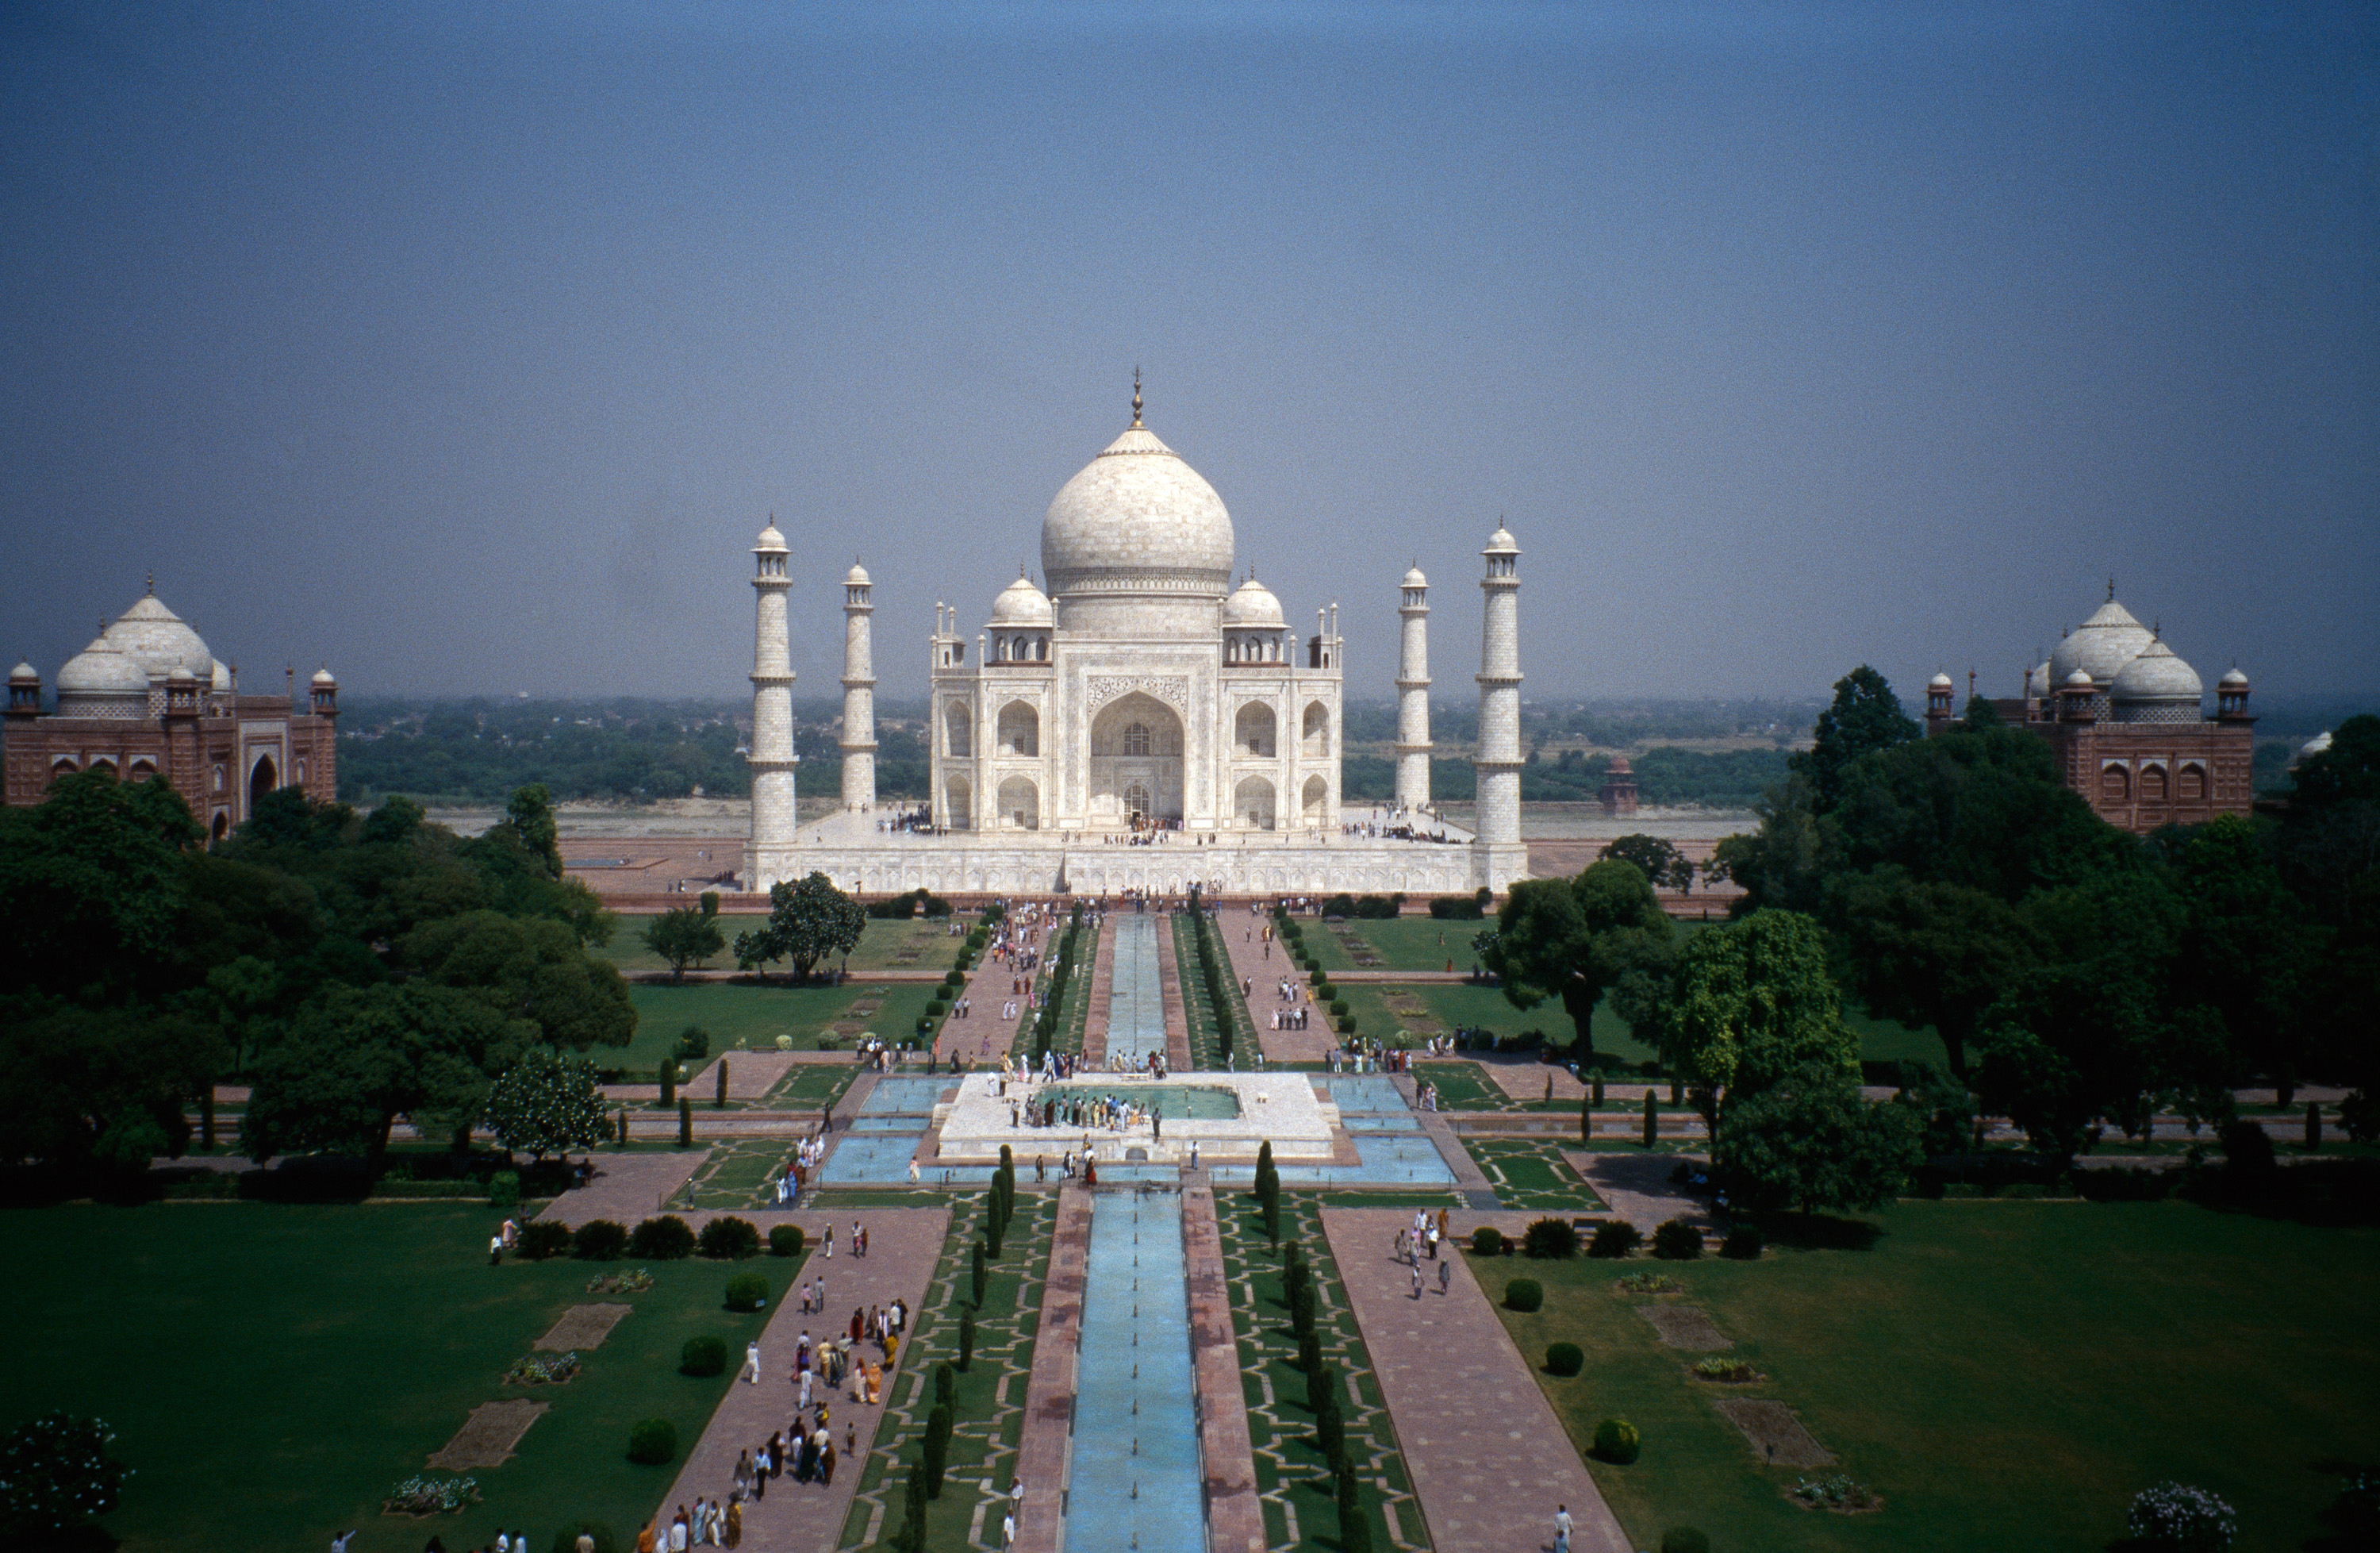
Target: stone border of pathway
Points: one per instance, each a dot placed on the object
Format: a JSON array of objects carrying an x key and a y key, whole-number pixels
[
  {"x": 1226, "y": 1454},
  {"x": 1044, "y": 1444}
]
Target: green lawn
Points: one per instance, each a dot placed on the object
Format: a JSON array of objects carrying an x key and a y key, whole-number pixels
[
  {"x": 273, "y": 1372},
  {"x": 1419, "y": 943},
  {"x": 756, "y": 1016},
  {"x": 917, "y": 943},
  {"x": 2003, "y": 1374}
]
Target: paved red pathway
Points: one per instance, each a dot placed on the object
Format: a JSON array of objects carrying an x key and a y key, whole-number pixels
[
  {"x": 1249, "y": 962},
  {"x": 903, "y": 1245},
  {"x": 1490, "y": 1460}
]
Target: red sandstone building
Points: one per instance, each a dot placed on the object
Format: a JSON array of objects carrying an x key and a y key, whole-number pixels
[
  {"x": 2125, "y": 718},
  {"x": 146, "y": 699}
]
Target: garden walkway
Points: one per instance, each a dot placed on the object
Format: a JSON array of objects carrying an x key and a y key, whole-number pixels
[
  {"x": 1250, "y": 963},
  {"x": 1488, "y": 1458},
  {"x": 1094, "y": 1018},
  {"x": 627, "y": 1187},
  {"x": 903, "y": 1245}
]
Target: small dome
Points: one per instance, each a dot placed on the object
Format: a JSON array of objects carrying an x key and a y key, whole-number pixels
[
  {"x": 1253, "y": 604},
  {"x": 1019, "y": 604},
  {"x": 2102, "y": 645},
  {"x": 324, "y": 676},
  {"x": 1502, "y": 543},
  {"x": 219, "y": 678},
  {"x": 2079, "y": 681},
  {"x": 1941, "y": 681},
  {"x": 857, "y": 577},
  {"x": 2042, "y": 680},
  {"x": 181, "y": 676},
  {"x": 1414, "y": 579},
  {"x": 1620, "y": 767},
  {"x": 100, "y": 669},
  {"x": 2318, "y": 745},
  {"x": 2237, "y": 680},
  {"x": 770, "y": 540},
  {"x": 23, "y": 672},
  {"x": 2156, "y": 674},
  {"x": 156, "y": 639}
]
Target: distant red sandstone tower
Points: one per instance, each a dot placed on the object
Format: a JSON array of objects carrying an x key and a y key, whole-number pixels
[{"x": 1619, "y": 794}]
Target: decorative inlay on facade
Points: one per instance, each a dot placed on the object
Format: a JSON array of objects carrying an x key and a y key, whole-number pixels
[{"x": 1101, "y": 689}]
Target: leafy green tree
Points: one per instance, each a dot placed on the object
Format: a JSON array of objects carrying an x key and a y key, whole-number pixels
[
  {"x": 358, "y": 1058},
  {"x": 529, "y": 821},
  {"x": 807, "y": 921},
  {"x": 2247, "y": 946},
  {"x": 1752, "y": 1003},
  {"x": 1782, "y": 861},
  {"x": 1808, "y": 1141},
  {"x": 546, "y": 1104},
  {"x": 1933, "y": 953},
  {"x": 683, "y": 935},
  {"x": 56, "y": 1476},
  {"x": 107, "y": 1085},
  {"x": 1865, "y": 718},
  {"x": 1575, "y": 938},
  {"x": 528, "y": 969},
  {"x": 93, "y": 883},
  {"x": 1658, "y": 860}
]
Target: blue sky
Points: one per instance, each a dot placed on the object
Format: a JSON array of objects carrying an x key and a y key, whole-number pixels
[{"x": 465, "y": 347}]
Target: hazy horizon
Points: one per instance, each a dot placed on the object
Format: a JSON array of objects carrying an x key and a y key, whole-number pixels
[{"x": 466, "y": 349}]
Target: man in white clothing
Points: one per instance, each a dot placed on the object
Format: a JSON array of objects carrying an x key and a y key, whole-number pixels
[{"x": 752, "y": 1363}]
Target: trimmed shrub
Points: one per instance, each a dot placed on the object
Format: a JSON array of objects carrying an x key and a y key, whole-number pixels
[
  {"x": 685, "y": 1122},
  {"x": 936, "y": 1008},
  {"x": 1550, "y": 1238},
  {"x": 599, "y": 1532},
  {"x": 1565, "y": 1359},
  {"x": 693, "y": 1044},
  {"x": 1684, "y": 1539},
  {"x": 665, "y": 1239},
  {"x": 967, "y": 1339},
  {"x": 653, "y": 1442},
  {"x": 1743, "y": 1243},
  {"x": 503, "y": 1187},
  {"x": 747, "y": 1291},
  {"x": 2186, "y": 1519},
  {"x": 728, "y": 1238},
  {"x": 599, "y": 1239},
  {"x": 699, "y": 1357},
  {"x": 1524, "y": 1295},
  {"x": 1338, "y": 1007},
  {"x": 1488, "y": 1240},
  {"x": 1454, "y": 907},
  {"x": 542, "y": 1238},
  {"x": 954, "y": 980},
  {"x": 785, "y": 1240},
  {"x": 669, "y": 1080},
  {"x": 1316, "y": 979},
  {"x": 2247, "y": 1150},
  {"x": 1615, "y": 1238},
  {"x": 1677, "y": 1241},
  {"x": 1615, "y": 1440},
  {"x": 937, "y": 1452}
]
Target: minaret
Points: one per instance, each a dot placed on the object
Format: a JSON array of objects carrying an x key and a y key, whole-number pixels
[
  {"x": 859, "y": 693},
  {"x": 772, "y": 756},
  {"x": 1413, "y": 695},
  {"x": 1500, "y": 858}
]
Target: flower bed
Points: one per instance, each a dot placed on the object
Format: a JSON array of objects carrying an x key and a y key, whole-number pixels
[
  {"x": 421, "y": 1497},
  {"x": 1726, "y": 1371},
  {"x": 620, "y": 1283},
  {"x": 1838, "y": 1493},
  {"x": 544, "y": 1369},
  {"x": 1649, "y": 1283}
]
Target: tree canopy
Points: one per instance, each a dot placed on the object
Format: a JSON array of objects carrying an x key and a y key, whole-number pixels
[
  {"x": 1809, "y": 1142},
  {"x": 808, "y": 920},
  {"x": 1751, "y": 1003},
  {"x": 1575, "y": 938},
  {"x": 545, "y": 1104},
  {"x": 1659, "y": 861},
  {"x": 684, "y": 936}
]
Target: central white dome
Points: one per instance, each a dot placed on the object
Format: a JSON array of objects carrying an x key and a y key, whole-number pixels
[
  {"x": 1137, "y": 521},
  {"x": 2102, "y": 645}
]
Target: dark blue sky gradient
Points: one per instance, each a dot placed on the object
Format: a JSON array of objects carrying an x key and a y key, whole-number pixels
[{"x": 464, "y": 349}]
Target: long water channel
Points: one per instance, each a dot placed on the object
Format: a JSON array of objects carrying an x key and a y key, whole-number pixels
[
  {"x": 1137, "y": 990},
  {"x": 1136, "y": 1480}
]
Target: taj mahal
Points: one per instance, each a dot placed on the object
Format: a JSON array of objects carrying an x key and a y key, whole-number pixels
[{"x": 1143, "y": 725}]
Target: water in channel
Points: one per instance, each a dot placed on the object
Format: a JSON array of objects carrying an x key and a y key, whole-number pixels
[
  {"x": 1136, "y": 1480},
  {"x": 1137, "y": 993}
]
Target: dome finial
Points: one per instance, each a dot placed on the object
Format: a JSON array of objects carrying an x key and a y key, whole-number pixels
[
  {"x": 153, "y": 585},
  {"x": 2111, "y": 587},
  {"x": 1136, "y": 395}
]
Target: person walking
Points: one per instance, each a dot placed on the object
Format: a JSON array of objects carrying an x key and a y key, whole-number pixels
[
  {"x": 751, "y": 1376},
  {"x": 1561, "y": 1529},
  {"x": 1445, "y": 1277}
]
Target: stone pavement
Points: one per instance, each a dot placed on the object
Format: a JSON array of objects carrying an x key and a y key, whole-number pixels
[
  {"x": 1488, "y": 1458},
  {"x": 1226, "y": 1454},
  {"x": 1045, "y": 1443},
  {"x": 627, "y": 1187},
  {"x": 904, "y": 1246},
  {"x": 1250, "y": 963},
  {"x": 1176, "y": 1007},
  {"x": 1094, "y": 1017},
  {"x": 1636, "y": 1186}
]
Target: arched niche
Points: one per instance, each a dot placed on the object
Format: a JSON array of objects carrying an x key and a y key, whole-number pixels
[
  {"x": 1255, "y": 731},
  {"x": 958, "y": 730},
  {"x": 1020, "y": 731},
  {"x": 1136, "y": 744},
  {"x": 1020, "y": 804},
  {"x": 1251, "y": 803},
  {"x": 958, "y": 803},
  {"x": 1316, "y": 742},
  {"x": 1313, "y": 799}
]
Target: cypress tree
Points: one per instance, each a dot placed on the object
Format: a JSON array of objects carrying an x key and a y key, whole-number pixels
[
  {"x": 1586, "y": 1119},
  {"x": 685, "y": 1122},
  {"x": 967, "y": 1339},
  {"x": 1354, "y": 1527},
  {"x": 937, "y": 1448},
  {"x": 719, "y": 1101},
  {"x": 1652, "y": 1118},
  {"x": 669, "y": 1080},
  {"x": 981, "y": 1275},
  {"x": 945, "y": 1387}
]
